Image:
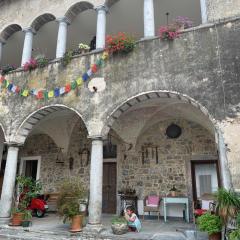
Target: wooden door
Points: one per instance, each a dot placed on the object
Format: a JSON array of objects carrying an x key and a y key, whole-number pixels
[{"x": 109, "y": 188}]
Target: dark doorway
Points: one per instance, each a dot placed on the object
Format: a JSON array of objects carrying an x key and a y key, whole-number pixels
[
  {"x": 205, "y": 177},
  {"x": 31, "y": 169},
  {"x": 109, "y": 188}
]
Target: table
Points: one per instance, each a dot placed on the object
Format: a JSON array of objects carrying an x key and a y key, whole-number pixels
[
  {"x": 128, "y": 200},
  {"x": 176, "y": 200}
]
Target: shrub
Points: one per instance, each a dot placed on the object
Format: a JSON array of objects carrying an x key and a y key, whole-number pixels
[
  {"x": 119, "y": 220},
  {"x": 234, "y": 235},
  {"x": 209, "y": 223},
  {"x": 121, "y": 42}
]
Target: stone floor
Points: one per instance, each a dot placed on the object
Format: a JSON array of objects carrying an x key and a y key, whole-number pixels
[{"x": 51, "y": 227}]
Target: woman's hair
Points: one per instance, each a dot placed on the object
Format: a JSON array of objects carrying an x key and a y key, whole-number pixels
[{"x": 131, "y": 208}]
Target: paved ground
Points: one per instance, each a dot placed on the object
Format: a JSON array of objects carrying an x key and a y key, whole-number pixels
[{"x": 51, "y": 228}]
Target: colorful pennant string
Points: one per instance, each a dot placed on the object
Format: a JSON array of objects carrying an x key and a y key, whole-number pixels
[{"x": 57, "y": 91}]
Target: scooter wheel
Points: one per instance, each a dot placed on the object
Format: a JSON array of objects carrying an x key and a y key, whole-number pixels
[{"x": 39, "y": 213}]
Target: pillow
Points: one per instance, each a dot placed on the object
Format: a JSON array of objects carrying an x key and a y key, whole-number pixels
[{"x": 152, "y": 201}]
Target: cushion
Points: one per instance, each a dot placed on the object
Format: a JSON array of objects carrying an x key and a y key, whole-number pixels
[{"x": 152, "y": 201}]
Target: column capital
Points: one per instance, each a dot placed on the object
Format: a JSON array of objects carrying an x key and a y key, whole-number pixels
[
  {"x": 102, "y": 7},
  {"x": 64, "y": 20},
  {"x": 13, "y": 144},
  {"x": 29, "y": 29},
  {"x": 96, "y": 137}
]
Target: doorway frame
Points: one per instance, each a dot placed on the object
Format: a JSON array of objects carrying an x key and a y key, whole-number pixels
[
  {"x": 38, "y": 158},
  {"x": 195, "y": 162}
]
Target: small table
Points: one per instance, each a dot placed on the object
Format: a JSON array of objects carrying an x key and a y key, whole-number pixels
[{"x": 176, "y": 200}]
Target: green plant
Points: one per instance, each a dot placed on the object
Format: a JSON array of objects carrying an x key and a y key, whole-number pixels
[
  {"x": 234, "y": 235},
  {"x": 71, "y": 191},
  {"x": 6, "y": 69},
  {"x": 42, "y": 61},
  {"x": 209, "y": 223},
  {"x": 67, "y": 58},
  {"x": 228, "y": 204},
  {"x": 119, "y": 220},
  {"x": 27, "y": 215}
]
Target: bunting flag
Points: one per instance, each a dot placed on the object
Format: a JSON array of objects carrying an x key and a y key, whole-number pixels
[{"x": 57, "y": 91}]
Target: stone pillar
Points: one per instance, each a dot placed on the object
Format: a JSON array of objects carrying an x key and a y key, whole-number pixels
[
  {"x": 1, "y": 153},
  {"x": 8, "y": 183},
  {"x": 1, "y": 48},
  {"x": 27, "y": 46},
  {"x": 62, "y": 37},
  {"x": 203, "y": 11},
  {"x": 101, "y": 26},
  {"x": 149, "y": 23},
  {"x": 225, "y": 173},
  {"x": 96, "y": 179}
]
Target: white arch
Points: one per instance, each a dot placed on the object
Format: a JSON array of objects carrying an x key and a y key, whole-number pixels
[
  {"x": 32, "y": 119},
  {"x": 42, "y": 19}
]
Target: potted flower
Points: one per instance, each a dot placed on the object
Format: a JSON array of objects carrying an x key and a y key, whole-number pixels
[
  {"x": 71, "y": 191},
  {"x": 30, "y": 65},
  {"x": 183, "y": 22},
  {"x": 119, "y": 225},
  {"x": 17, "y": 214},
  {"x": 211, "y": 224},
  {"x": 83, "y": 48},
  {"x": 120, "y": 43},
  {"x": 27, "y": 218},
  {"x": 169, "y": 32}
]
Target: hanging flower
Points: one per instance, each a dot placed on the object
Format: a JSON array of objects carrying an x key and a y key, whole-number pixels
[
  {"x": 30, "y": 65},
  {"x": 169, "y": 32}
]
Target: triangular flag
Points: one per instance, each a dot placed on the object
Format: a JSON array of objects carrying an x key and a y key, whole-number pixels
[
  {"x": 89, "y": 72},
  {"x": 18, "y": 90},
  {"x": 45, "y": 94},
  {"x": 14, "y": 88},
  {"x": 56, "y": 92},
  {"x": 40, "y": 94},
  {"x": 85, "y": 77},
  {"x": 2, "y": 78},
  {"x": 51, "y": 94},
  {"x": 62, "y": 90},
  {"x": 73, "y": 85},
  {"x": 94, "y": 68},
  {"x": 10, "y": 86},
  {"x": 25, "y": 93},
  {"x": 79, "y": 81},
  {"x": 99, "y": 62},
  {"x": 67, "y": 88}
]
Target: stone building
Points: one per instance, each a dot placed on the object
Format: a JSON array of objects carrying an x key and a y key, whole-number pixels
[{"x": 115, "y": 137}]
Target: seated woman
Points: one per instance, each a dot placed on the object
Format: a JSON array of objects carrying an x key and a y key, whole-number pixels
[{"x": 134, "y": 223}]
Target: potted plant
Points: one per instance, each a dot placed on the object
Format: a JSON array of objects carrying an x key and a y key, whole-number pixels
[
  {"x": 211, "y": 224},
  {"x": 71, "y": 191},
  {"x": 169, "y": 32},
  {"x": 183, "y": 22},
  {"x": 173, "y": 191},
  {"x": 42, "y": 61},
  {"x": 17, "y": 214},
  {"x": 27, "y": 218},
  {"x": 30, "y": 65},
  {"x": 119, "y": 225},
  {"x": 84, "y": 48},
  {"x": 120, "y": 43}
]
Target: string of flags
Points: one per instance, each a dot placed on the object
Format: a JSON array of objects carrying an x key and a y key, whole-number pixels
[{"x": 57, "y": 91}]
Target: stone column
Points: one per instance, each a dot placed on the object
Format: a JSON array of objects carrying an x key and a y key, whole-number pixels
[
  {"x": 225, "y": 173},
  {"x": 96, "y": 179},
  {"x": 1, "y": 153},
  {"x": 149, "y": 23},
  {"x": 101, "y": 26},
  {"x": 27, "y": 46},
  {"x": 1, "y": 48},
  {"x": 62, "y": 37},
  {"x": 8, "y": 182},
  {"x": 203, "y": 11}
]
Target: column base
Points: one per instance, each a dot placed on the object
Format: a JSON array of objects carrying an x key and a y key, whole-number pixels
[
  {"x": 94, "y": 228},
  {"x": 4, "y": 221}
]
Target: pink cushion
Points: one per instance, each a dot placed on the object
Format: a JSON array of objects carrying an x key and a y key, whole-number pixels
[{"x": 152, "y": 201}]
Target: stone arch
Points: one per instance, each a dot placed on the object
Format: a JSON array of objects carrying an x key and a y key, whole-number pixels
[
  {"x": 9, "y": 31},
  {"x": 41, "y": 20},
  {"x": 109, "y": 3},
  {"x": 118, "y": 110},
  {"x": 77, "y": 8},
  {"x": 34, "y": 118}
]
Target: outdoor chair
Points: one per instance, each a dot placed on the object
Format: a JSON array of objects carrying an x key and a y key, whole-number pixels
[{"x": 152, "y": 204}]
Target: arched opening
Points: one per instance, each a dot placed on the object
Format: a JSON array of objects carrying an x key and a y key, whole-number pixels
[
  {"x": 56, "y": 138},
  {"x": 83, "y": 24},
  {"x": 167, "y": 140},
  {"x": 127, "y": 16},
  {"x": 13, "y": 37},
  {"x": 44, "y": 41}
]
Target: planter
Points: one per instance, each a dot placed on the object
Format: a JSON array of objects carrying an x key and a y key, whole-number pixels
[
  {"x": 215, "y": 236},
  {"x": 17, "y": 219},
  {"x": 26, "y": 223},
  {"x": 119, "y": 229},
  {"x": 77, "y": 222}
]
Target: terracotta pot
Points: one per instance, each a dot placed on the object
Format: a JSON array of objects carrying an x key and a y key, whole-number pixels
[
  {"x": 215, "y": 236},
  {"x": 17, "y": 219},
  {"x": 76, "y": 225}
]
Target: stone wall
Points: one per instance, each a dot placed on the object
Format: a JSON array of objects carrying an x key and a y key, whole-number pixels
[
  {"x": 219, "y": 9},
  {"x": 174, "y": 156},
  {"x": 52, "y": 173}
]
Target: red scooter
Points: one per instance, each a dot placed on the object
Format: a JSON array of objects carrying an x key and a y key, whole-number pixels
[{"x": 38, "y": 206}]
